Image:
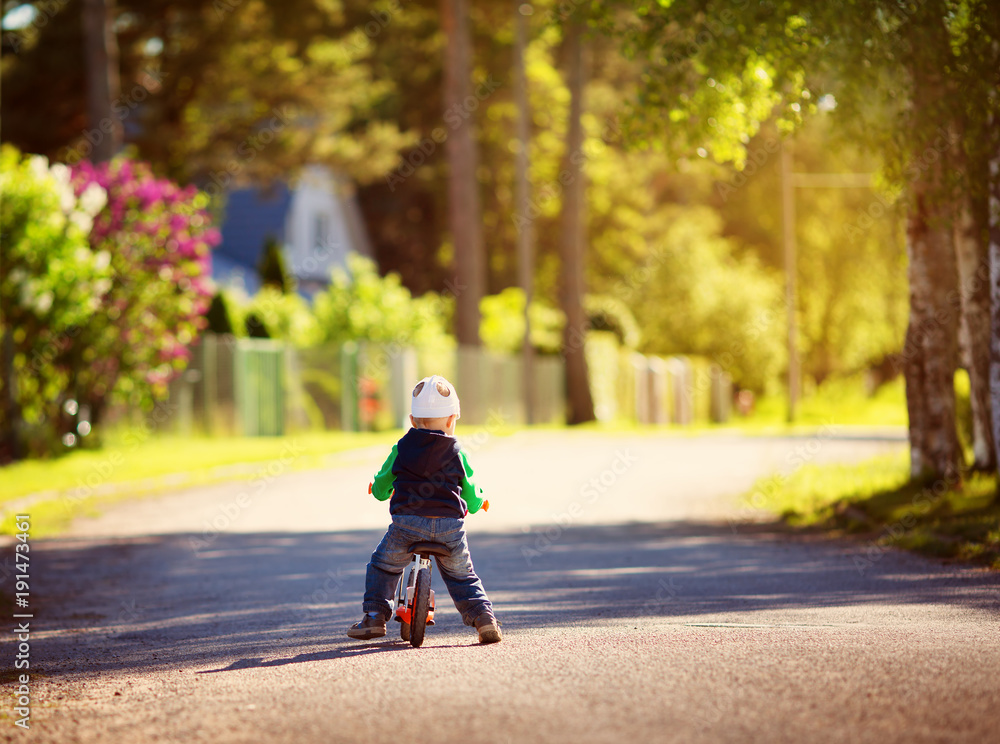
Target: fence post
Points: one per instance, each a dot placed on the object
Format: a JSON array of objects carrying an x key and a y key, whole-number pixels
[
  {"x": 350, "y": 420},
  {"x": 658, "y": 388},
  {"x": 683, "y": 390},
  {"x": 640, "y": 402},
  {"x": 722, "y": 394},
  {"x": 402, "y": 377}
]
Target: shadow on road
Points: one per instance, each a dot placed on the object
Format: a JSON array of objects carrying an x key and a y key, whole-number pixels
[{"x": 247, "y": 601}]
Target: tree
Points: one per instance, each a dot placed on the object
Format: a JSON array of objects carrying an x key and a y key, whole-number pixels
[
  {"x": 211, "y": 93},
  {"x": 217, "y": 317},
  {"x": 850, "y": 48},
  {"x": 698, "y": 296},
  {"x": 255, "y": 326},
  {"x": 464, "y": 217},
  {"x": 580, "y": 403},
  {"x": 974, "y": 32},
  {"x": 273, "y": 268}
]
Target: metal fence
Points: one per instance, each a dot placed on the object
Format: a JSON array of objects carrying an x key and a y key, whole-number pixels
[
  {"x": 232, "y": 386},
  {"x": 259, "y": 387}
]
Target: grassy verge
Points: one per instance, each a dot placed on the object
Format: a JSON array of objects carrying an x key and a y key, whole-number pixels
[
  {"x": 841, "y": 401},
  {"x": 876, "y": 499},
  {"x": 130, "y": 465},
  {"x": 57, "y": 491}
]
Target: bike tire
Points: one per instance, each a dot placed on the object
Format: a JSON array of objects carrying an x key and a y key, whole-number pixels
[
  {"x": 404, "y": 628},
  {"x": 421, "y": 604}
]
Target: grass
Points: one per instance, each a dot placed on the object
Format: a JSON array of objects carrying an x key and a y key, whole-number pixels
[
  {"x": 876, "y": 499},
  {"x": 131, "y": 464},
  {"x": 842, "y": 401}
]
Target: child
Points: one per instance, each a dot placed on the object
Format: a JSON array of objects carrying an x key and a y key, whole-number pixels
[{"x": 427, "y": 479}]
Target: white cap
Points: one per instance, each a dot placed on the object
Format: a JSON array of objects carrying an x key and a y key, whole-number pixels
[{"x": 434, "y": 397}]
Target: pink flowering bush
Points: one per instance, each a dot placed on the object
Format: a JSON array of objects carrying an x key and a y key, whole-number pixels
[{"x": 159, "y": 237}]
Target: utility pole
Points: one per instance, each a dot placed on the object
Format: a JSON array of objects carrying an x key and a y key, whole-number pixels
[
  {"x": 525, "y": 224},
  {"x": 789, "y": 182}
]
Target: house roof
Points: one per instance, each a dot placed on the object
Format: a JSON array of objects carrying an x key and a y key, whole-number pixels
[{"x": 252, "y": 215}]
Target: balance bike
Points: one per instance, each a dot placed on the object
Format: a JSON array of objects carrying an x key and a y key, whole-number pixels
[{"x": 415, "y": 598}]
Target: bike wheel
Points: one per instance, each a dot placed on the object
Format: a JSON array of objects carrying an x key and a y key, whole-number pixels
[
  {"x": 404, "y": 628},
  {"x": 421, "y": 604}
]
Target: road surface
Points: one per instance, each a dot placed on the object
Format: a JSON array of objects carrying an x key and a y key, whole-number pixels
[{"x": 640, "y": 602}]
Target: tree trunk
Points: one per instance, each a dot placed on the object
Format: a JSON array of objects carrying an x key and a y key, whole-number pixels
[
  {"x": 526, "y": 226},
  {"x": 972, "y": 256},
  {"x": 463, "y": 188},
  {"x": 994, "y": 256},
  {"x": 103, "y": 83},
  {"x": 931, "y": 349},
  {"x": 931, "y": 352},
  {"x": 579, "y": 401},
  {"x": 913, "y": 373}
]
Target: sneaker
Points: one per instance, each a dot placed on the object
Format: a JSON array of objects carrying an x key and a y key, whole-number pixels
[
  {"x": 489, "y": 628},
  {"x": 369, "y": 627}
]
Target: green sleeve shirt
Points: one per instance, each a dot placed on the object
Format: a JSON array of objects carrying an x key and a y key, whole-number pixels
[{"x": 382, "y": 484}]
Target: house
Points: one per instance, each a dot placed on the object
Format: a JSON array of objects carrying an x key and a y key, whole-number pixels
[{"x": 316, "y": 219}]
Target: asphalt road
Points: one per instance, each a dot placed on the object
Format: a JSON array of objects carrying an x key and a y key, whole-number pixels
[{"x": 659, "y": 609}]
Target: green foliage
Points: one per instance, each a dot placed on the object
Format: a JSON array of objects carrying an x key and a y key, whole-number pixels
[
  {"x": 159, "y": 237},
  {"x": 850, "y": 257},
  {"x": 695, "y": 296},
  {"x": 361, "y": 305},
  {"x": 838, "y": 401},
  {"x": 51, "y": 284},
  {"x": 502, "y": 325},
  {"x": 250, "y": 89},
  {"x": 714, "y": 72},
  {"x": 285, "y": 316},
  {"x": 270, "y": 314}
]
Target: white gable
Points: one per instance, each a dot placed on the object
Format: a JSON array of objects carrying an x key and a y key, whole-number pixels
[{"x": 323, "y": 225}]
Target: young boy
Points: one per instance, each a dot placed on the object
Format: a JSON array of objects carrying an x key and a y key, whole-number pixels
[{"x": 427, "y": 481}]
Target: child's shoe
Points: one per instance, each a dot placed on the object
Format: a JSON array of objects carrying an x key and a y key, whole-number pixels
[
  {"x": 369, "y": 627},
  {"x": 489, "y": 628}
]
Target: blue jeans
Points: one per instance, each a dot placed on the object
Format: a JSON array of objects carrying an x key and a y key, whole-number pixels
[{"x": 393, "y": 554}]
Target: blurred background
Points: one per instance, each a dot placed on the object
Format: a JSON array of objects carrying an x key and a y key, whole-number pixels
[{"x": 256, "y": 218}]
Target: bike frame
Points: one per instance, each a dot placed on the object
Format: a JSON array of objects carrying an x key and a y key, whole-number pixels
[{"x": 405, "y": 591}]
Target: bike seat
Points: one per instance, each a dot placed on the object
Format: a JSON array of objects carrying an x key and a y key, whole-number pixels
[{"x": 430, "y": 548}]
